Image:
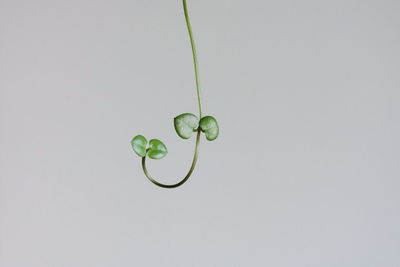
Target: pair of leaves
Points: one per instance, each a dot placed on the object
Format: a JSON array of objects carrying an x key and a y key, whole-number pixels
[
  {"x": 187, "y": 123},
  {"x": 155, "y": 150}
]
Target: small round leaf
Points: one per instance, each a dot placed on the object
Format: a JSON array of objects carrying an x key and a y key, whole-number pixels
[
  {"x": 185, "y": 124},
  {"x": 157, "y": 149},
  {"x": 210, "y": 127},
  {"x": 139, "y": 143}
]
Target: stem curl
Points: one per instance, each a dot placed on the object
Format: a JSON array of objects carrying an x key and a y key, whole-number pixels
[{"x": 195, "y": 156}]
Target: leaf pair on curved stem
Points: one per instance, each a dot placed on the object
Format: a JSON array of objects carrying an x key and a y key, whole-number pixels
[
  {"x": 155, "y": 150},
  {"x": 187, "y": 123}
]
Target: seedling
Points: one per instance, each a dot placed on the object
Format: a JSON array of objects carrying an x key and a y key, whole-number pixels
[{"x": 185, "y": 125}]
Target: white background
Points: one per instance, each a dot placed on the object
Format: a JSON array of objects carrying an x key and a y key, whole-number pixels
[{"x": 306, "y": 169}]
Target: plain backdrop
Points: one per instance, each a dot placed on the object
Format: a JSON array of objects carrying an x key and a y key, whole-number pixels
[{"x": 305, "y": 172}]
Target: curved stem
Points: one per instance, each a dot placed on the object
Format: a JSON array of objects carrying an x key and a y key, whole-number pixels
[
  {"x": 195, "y": 156},
  {"x": 196, "y": 149},
  {"x": 196, "y": 67}
]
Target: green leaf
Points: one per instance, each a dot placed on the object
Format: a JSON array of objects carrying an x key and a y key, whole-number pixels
[
  {"x": 185, "y": 124},
  {"x": 139, "y": 145},
  {"x": 157, "y": 149},
  {"x": 210, "y": 127}
]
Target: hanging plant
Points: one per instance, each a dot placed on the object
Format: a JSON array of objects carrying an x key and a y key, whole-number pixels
[{"x": 185, "y": 125}]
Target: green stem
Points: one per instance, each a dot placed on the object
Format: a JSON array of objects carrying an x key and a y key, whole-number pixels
[
  {"x": 196, "y": 149},
  {"x": 196, "y": 67}
]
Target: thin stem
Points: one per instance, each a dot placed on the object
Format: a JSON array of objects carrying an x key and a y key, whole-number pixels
[
  {"x": 195, "y": 156},
  {"x": 196, "y": 67},
  {"x": 196, "y": 149}
]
